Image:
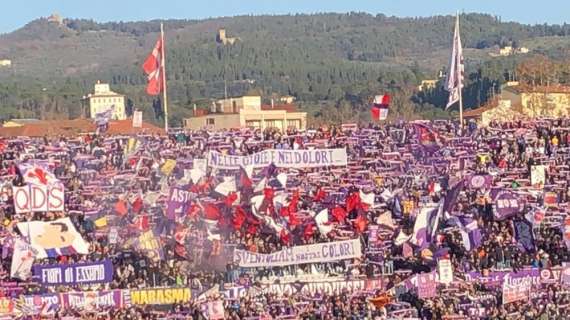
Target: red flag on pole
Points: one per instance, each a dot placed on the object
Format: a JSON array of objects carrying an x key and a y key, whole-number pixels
[{"x": 153, "y": 68}]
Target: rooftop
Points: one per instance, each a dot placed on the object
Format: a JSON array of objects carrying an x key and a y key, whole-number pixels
[
  {"x": 76, "y": 126},
  {"x": 521, "y": 88},
  {"x": 479, "y": 111},
  {"x": 285, "y": 107}
]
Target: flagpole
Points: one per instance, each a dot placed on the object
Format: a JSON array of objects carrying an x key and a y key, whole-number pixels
[
  {"x": 460, "y": 87},
  {"x": 163, "y": 66}
]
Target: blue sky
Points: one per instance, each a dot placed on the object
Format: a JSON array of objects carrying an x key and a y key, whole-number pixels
[{"x": 16, "y": 13}]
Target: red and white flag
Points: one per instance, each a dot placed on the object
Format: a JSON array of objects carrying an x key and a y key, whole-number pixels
[
  {"x": 37, "y": 173},
  {"x": 153, "y": 68},
  {"x": 380, "y": 107},
  {"x": 454, "y": 82}
]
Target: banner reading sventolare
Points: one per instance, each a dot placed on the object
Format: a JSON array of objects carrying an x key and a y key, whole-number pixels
[
  {"x": 280, "y": 158},
  {"x": 322, "y": 252}
]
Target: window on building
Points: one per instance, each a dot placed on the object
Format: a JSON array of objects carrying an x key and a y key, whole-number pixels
[
  {"x": 254, "y": 124},
  {"x": 296, "y": 123},
  {"x": 210, "y": 121},
  {"x": 234, "y": 107}
]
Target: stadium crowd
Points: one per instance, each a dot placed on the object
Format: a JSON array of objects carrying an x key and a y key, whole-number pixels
[{"x": 410, "y": 219}]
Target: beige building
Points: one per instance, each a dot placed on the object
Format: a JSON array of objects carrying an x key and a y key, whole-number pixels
[
  {"x": 523, "y": 102},
  {"x": 496, "y": 110},
  {"x": 5, "y": 63},
  {"x": 248, "y": 112},
  {"x": 551, "y": 101},
  {"x": 103, "y": 98},
  {"x": 235, "y": 105}
]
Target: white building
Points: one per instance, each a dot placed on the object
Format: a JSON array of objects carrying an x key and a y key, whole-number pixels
[
  {"x": 5, "y": 63},
  {"x": 103, "y": 99},
  {"x": 248, "y": 112}
]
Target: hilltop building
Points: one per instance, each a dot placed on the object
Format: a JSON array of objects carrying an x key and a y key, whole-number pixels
[
  {"x": 224, "y": 39},
  {"x": 427, "y": 85},
  {"x": 509, "y": 50},
  {"x": 103, "y": 98},
  {"x": 247, "y": 112},
  {"x": 55, "y": 18}
]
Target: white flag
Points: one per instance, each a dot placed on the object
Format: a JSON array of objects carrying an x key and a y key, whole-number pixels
[
  {"x": 22, "y": 260},
  {"x": 454, "y": 82}
]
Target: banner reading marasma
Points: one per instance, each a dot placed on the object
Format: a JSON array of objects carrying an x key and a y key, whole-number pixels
[{"x": 159, "y": 296}]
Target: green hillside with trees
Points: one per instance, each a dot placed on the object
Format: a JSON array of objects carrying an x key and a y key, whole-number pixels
[{"x": 332, "y": 63}]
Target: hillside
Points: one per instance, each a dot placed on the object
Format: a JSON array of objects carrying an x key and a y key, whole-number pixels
[{"x": 332, "y": 60}]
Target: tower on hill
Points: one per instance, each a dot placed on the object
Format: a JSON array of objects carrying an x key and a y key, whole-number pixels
[
  {"x": 222, "y": 38},
  {"x": 55, "y": 18}
]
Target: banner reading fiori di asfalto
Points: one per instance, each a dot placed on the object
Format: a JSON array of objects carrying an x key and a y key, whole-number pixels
[
  {"x": 280, "y": 158},
  {"x": 74, "y": 274},
  {"x": 313, "y": 253}
]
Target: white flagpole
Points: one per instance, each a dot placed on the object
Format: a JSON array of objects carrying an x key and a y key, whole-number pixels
[
  {"x": 163, "y": 66},
  {"x": 461, "y": 84}
]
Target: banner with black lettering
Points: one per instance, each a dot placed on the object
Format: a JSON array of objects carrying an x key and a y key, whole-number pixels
[
  {"x": 313, "y": 253},
  {"x": 160, "y": 296},
  {"x": 280, "y": 158}
]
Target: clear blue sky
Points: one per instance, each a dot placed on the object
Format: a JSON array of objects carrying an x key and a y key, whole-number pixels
[{"x": 16, "y": 13}]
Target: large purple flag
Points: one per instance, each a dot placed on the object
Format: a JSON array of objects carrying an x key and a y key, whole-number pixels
[
  {"x": 469, "y": 230},
  {"x": 426, "y": 225},
  {"x": 507, "y": 203},
  {"x": 523, "y": 234},
  {"x": 451, "y": 196}
]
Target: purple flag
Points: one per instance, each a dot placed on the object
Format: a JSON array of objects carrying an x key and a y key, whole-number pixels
[
  {"x": 451, "y": 196},
  {"x": 469, "y": 230},
  {"x": 523, "y": 234},
  {"x": 479, "y": 181},
  {"x": 177, "y": 201},
  {"x": 507, "y": 203},
  {"x": 426, "y": 225}
]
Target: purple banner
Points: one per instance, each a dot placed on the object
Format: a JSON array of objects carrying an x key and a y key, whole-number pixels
[
  {"x": 427, "y": 286},
  {"x": 479, "y": 181},
  {"x": 565, "y": 276},
  {"x": 93, "y": 300},
  {"x": 177, "y": 200},
  {"x": 507, "y": 204},
  {"x": 535, "y": 276},
  {"x": 74, "y": 274},
  {"x": 50, "y": 302}
]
